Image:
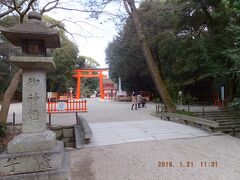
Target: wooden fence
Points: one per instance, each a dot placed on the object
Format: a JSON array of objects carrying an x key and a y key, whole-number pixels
[{"x": 67, "y": 106}]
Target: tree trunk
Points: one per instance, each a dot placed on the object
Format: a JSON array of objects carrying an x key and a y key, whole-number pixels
[
  {"x": 154, "y": 71},
  {"x": 8, "y": 95}
]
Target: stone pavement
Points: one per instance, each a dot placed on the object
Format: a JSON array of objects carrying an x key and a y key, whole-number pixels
[{"x": 134, "y": 131}]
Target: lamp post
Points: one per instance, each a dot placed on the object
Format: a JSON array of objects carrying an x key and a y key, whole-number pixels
[
  {"x": 180, "y": 96},
  {"x": 70, "y": 90}
]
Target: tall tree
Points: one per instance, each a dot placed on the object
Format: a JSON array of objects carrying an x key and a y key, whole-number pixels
[
  {"x": 154, "y": 71},
  {"x": 65, "y": 58}
]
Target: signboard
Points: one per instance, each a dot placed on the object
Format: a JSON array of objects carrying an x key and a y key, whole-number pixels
[{"x": 61, "y": 106}]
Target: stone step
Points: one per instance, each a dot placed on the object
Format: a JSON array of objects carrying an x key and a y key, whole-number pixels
[
  {"x": 220, "y": 118},
  {"x": 229, "y": 127},
  {"x": 212, "y": 112},
  {"x": 78, "y": 137},
  {"x": 228, "y": 123},
  {"x": 215, "y": 115},
  {"x": 230, "y": 131},
  {"x": 225, "y": 119},
  {"x": 83, "y": 132},
  {"x": 220, "y": 115}
]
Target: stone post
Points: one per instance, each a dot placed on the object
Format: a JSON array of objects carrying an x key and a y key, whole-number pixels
[
  {"x": 35, "y": 135},
  {"x": 34, "y": 101}
]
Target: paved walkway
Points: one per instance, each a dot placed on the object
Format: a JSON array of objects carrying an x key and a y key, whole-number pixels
[{"x": 134, "y": 131}]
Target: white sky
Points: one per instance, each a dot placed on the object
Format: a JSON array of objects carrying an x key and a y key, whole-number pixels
[{"x": 94, "y": 35}]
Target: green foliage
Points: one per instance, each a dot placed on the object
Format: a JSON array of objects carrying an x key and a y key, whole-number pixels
[
  {"x": 185, "y": 113},
  {"x": 233, "y": 53},
  {"x": 188, "y": 39},
  {"x": 235, "y": 104},
  {"x": 189, "y": 100},
  {"x": 157, "y": 100},
  {"x": 65, "y": 59},
  {"x": 3, "y": 128},
  {"x": 89, "y": 62},
  {"x": 7, "y": 69}
]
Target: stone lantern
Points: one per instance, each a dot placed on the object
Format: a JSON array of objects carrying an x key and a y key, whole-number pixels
[
  {"x": 35, "y": 153},
  {"x": 33, "y": 36}
]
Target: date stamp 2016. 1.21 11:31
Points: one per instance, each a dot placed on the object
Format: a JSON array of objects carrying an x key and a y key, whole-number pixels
[{"x": 188, "y": 164}]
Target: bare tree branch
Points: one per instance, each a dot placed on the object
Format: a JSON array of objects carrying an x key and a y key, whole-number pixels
[
  {"x": 74, "y": 9},
  {"x": 6, "y": 4},
  {"x": 28, "y": 7},
  {"x": 10, "y": 8},
  {"x": 105, "y": 4},
  {"x": 45, "y": 9},
  {"x": 127, "y": 7}
]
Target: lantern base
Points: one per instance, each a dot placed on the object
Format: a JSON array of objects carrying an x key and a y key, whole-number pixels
[
  {"x": 32, "y": 142},
  {"x": 45, "y": 165}
]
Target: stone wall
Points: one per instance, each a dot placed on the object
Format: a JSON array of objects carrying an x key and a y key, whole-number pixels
[{"x": 65, "y": 134}]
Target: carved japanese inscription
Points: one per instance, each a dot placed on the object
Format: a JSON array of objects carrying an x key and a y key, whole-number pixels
[
  {"x": 34, "y": 101},
  {"x": 44, "y": 161},
  {"x": 11, "y": 162},
  {"x": 32, "y": 81}
]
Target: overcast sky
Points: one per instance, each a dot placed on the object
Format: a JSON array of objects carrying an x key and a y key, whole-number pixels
[{"x": 93, "y": 35}]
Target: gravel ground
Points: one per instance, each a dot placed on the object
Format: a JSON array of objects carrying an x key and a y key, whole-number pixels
[
  {"x": 102, "y": 111},
  {"x": 141, "y": 160},
  {"x": 195, "y": 158}
]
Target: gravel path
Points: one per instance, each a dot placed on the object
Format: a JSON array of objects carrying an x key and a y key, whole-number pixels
[
  {"x": 201, "y": 156},
  {"x": 102, "y": 111}
]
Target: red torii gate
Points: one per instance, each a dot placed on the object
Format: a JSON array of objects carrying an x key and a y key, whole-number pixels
[{"x": 89, "y": 73}]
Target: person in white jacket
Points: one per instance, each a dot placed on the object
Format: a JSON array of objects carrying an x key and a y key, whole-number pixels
[{"x": 134, "y": 100}]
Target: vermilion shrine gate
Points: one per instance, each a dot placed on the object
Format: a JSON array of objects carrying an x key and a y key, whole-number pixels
[
  {"x": 70, "y": 104},
  {"x": 90, "y": 73}
]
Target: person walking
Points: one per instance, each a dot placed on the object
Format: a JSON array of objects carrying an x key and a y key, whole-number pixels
[
  {"x": 139, "y": 100},
  {"x": 144, "y": 103},
  {"x": 134, "y": 101}
]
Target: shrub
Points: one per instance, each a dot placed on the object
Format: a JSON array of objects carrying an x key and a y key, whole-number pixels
[
  {"x": 157, "y": 100},
  {"x": 3, "y": 128},
  {"x": 185, "y": 113},
  {"x": 235, "y": 104}
]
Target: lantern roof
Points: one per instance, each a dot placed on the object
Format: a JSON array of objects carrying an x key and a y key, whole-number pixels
[{"x": 33, "y": 29}]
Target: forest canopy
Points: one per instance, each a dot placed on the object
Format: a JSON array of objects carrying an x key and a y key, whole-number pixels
[{"x": 188, "y": 39}]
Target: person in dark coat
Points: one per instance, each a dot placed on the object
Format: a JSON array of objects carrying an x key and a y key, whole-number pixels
[{"x": 143, "y": 103}]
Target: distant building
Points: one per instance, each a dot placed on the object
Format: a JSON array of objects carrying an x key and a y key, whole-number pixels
[{"x": 109, "y": 88}]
